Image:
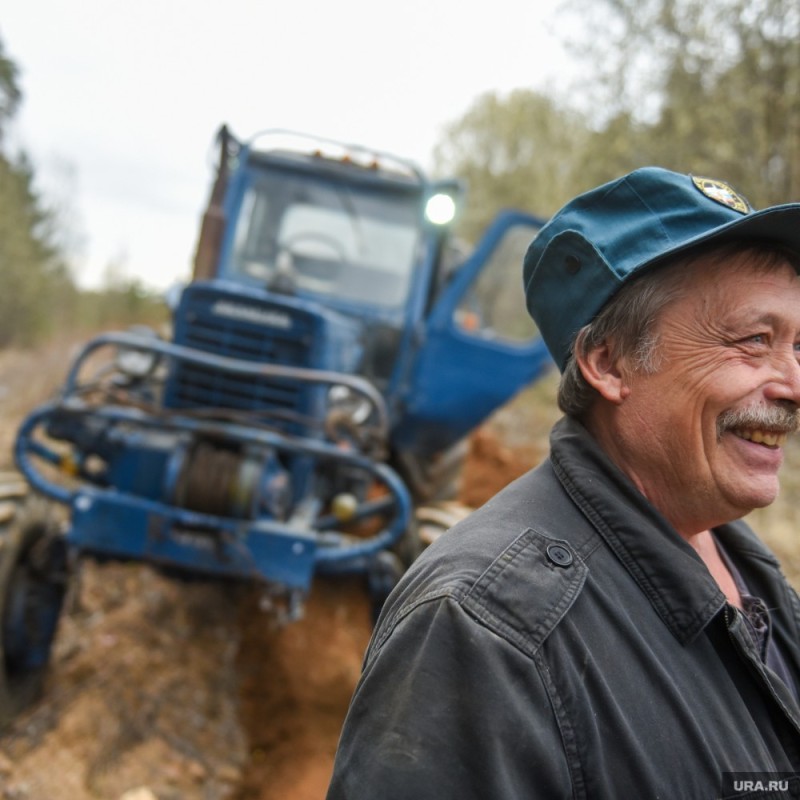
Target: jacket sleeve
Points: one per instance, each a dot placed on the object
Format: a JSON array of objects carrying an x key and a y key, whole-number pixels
[{"x": 447, "y": 708}]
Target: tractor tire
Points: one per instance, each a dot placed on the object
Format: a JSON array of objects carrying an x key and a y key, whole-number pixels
[
  {"x": 389, "y": 566},
  {"x": 33, "y": 581}
]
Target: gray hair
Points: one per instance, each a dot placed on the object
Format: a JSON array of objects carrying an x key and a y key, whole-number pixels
[{"x": 627, "y": 323}]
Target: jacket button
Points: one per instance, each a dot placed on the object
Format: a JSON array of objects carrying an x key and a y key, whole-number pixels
[
  {"x": 572, "y": 264},
  {"x": 559, "y": 555}
]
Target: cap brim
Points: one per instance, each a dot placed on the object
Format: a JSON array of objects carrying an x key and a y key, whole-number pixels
[{"x": 779, "y": 225}]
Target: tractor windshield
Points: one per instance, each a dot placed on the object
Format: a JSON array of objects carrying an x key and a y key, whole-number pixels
[{"x": 296, "y": 232}]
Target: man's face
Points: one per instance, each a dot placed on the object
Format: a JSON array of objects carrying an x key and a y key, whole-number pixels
[{"x": 703, "y": 436}]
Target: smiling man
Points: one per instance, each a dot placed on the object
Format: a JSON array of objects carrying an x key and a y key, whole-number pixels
[{"x": 607, "y": 626}]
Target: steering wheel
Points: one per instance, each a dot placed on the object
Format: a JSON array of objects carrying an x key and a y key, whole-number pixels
[{"x": 326, "y": 240}]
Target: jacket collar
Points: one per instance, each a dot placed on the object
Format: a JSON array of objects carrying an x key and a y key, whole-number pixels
[{"x": 666, "y": 568}]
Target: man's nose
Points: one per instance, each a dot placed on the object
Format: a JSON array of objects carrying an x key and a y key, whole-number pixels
[{"x": 786, "y": 384}]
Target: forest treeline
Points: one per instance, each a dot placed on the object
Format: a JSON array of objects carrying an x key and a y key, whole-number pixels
[
  {"x": 38, "y": 294},
  {"x": 709, "y": 87}
]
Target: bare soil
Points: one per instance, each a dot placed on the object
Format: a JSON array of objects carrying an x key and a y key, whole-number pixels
[{"x": 161, "y": 689}]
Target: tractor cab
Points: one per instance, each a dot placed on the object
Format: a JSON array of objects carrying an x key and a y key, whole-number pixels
[{"x": 354, "y": 232}]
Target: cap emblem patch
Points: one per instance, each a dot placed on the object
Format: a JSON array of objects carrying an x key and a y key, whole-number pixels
[{"x": 721, "y": 192}]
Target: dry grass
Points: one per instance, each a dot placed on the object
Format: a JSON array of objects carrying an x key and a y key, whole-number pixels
[{"x": 28, "y": 378}]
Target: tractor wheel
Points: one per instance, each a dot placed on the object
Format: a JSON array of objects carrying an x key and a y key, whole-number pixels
[
  {"x": 409, "y": 545},
  {"x": 33, "y": 579},
  {"x": 389, "y": 566}
]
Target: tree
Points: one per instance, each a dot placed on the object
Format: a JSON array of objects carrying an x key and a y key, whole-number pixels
[
  {"x": 10, "y": 94},
  {"x": 707, "y": 86},
  {"x": 710, "y": 87},
  {"x": 32, "y": 272},
  {"x": 513, "y": 151}
]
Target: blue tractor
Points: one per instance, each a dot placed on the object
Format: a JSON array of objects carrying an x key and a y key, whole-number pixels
[{"x": 325, "y": 364}]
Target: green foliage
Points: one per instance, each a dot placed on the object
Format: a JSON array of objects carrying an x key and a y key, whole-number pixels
[
  {"x": 118, "y": 307},
  {"x": 704, "y": 86},
  {"x": 36, "y": 288},
  {"x": 516, "y": 151},
  {"x": 38, "y": 297},
  {"x": 33, "y": 277},
  {"x": 10, "y": 94},
  {"x": 710, "y": 87}
]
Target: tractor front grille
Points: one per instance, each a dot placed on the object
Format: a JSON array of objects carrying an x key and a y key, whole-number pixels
[{"x": 252, "y": 330}]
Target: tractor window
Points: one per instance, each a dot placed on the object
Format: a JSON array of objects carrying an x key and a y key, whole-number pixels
[
  {"x": 327, "y": 238},
  {"x": 494, "y": 306}
]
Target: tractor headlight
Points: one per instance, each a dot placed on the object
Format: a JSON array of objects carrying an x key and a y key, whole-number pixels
[
  {"x": 342, "y": 400},
  {"x": 134, "y": 362},
  {"x": 440, "y": 209}
]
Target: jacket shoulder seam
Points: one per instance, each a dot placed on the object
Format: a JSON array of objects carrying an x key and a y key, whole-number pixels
[{"x": 449, "y": 592}]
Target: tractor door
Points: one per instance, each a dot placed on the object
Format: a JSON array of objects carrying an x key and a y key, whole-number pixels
[{"x": 479, "y": 345}]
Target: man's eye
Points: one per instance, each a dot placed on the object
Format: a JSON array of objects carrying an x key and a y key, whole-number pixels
[{"x": 757, "y": 338}]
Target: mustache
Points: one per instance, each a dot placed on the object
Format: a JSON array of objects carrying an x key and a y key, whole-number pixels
[{"x": 776, "y": 419}]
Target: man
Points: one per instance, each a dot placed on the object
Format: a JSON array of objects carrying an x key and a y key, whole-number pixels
[{"x": 605, "y": 627}]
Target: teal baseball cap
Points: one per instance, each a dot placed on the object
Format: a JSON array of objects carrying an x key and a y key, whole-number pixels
[{"x": 604, "y": 237}]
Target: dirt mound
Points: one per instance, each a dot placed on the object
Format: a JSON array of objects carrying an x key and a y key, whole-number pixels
[
  {"x": 189, "y": 690},
  {"x": 142, "y": 691},
  {"x": 296, "y": 684},
  {"x": 491, "y": 466}
]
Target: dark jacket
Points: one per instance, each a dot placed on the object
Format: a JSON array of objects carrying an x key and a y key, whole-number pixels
[{"x": 565, "y": 642}]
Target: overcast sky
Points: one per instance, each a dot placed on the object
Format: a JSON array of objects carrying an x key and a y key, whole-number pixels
[{"x": 122, "y": 99}]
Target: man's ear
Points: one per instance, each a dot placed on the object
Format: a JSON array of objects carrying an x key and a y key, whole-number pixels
[{"x": 602, "y": 372}]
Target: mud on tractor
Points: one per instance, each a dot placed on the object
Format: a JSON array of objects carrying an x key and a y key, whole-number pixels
[{"x": 325, "y": 364}]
